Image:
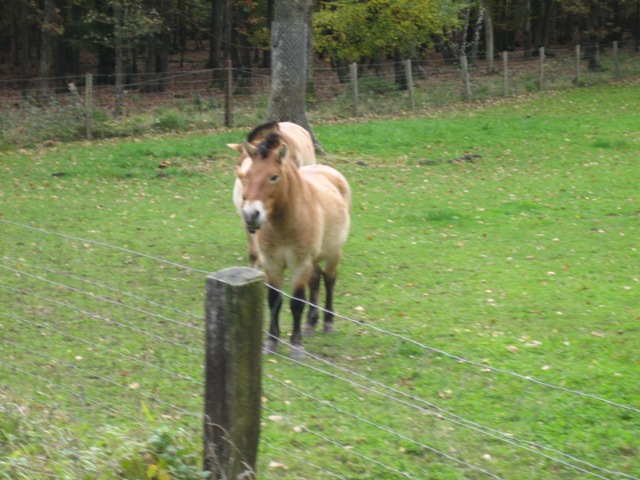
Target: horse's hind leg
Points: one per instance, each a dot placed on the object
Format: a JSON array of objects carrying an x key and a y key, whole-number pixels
[
  {"x": 330, "y": 277},
  {"x": 314, "y": 294}
]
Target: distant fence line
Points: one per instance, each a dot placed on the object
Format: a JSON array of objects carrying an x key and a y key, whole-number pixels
[{"x": 357, "y": 91}]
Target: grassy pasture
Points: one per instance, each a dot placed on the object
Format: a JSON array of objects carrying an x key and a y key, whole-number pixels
[{"x": 506, "y": 235}]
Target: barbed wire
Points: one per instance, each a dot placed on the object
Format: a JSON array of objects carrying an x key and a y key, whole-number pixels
[
  {"x": 103, "y": 299},
  {"x": 411, "y": 402},
  {"x": 384, "y": 429},
  {"x": 440, "y": 413},
  {"x": 443, "y": 414},
  {"x": 342, "y": 447},
  {"x": 107, "y": 287},
  {"x": 466, "y": 361},
  {"x": 103, "y": 244},
  {"x": 105, "y": 349},
  {"x": 308, "y": 462},
  {"x": 100, "y": 317}
]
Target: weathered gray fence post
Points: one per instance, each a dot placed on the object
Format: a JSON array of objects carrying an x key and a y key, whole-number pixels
[
  {"x": 353, "y": 69},
  {"x": 578, "y": 65},
  {"x": 505, "y": 74},
  {"x": 409, "y": 74},
  {"x": 616, "y": 60},
  {"x": 228, "y": 95},
  {"x": 465, "y": 78},
  {"x": 541, "y": 73},
  {"x": 88, "y": 105},
  {"x": 234, "y": 312}
]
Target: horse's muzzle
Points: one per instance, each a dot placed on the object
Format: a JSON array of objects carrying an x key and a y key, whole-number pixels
[{"x": 254, "y": 216}]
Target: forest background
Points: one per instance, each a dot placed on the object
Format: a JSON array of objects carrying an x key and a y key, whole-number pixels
[{"x": 52, "y": 39}]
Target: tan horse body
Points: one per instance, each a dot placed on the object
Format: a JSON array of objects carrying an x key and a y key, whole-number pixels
[
  {"x": 302, "y": 153},
  {"x": 301, "y": 219}
]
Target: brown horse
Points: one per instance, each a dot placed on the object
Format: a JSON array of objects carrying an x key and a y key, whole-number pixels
[
  {"x": 302, "y": 153},
  {"x": 301, "y": 219}
]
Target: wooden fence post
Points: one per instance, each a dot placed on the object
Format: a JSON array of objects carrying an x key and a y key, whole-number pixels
[
  {"x": 578, "y": 65},
  {"x": 228, "y": 87},
  {"x": 541, "y": 76},
  {"x": 465, "y": 78},
  {"x": 88, "y": 105},
  {"x": 353, "y": 68},
  {"x": 234, "y": 313},
  {"x": 616, "y": 60},
  {"x": 409, "y": 74},
  {"x": 505, "y": 74}
]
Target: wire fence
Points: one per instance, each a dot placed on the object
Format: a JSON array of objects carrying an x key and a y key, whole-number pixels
[
  {"x": 207, "y": 100},
  {"x": 80, "y": 339}
]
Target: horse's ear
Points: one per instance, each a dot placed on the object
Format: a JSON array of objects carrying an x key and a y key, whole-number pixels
[
  {"x": 250, "y": 149},
  {"x": 235, "y": 146},
  {"x": 284, "y": 149}
]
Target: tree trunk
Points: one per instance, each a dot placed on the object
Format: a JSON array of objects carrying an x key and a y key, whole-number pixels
[
  {"x": 527, "y": 29},
  {"x": 475, "y": 43},
  {"x": 399, "y": 72},
  {"x": 266, "y": 59},
  {"x": 46, "y": 50},
  {"x": 289, "y": 65},
  {"x": 218, "y": 25},
  {"x": 119, "y": 70},
  {"x": 24, "y": 44},
  {"x": 488, "y": 36}
]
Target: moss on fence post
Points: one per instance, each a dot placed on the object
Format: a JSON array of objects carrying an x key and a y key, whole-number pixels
[{"x": 234, "y": 315}]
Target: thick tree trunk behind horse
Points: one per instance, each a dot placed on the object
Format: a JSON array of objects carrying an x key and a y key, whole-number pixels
[{"x": 290, "y": 35}]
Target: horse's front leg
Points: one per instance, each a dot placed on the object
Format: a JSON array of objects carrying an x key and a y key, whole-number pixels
[
  {"x": 297, "y": 307},
  {"x": 275, "y": 302}
]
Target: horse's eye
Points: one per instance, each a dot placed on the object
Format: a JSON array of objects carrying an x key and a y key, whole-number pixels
[{"x": 274, "y": 178}]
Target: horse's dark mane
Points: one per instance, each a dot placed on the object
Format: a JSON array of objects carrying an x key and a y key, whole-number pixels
[
  {"x": 272, "y": 141},
  {"x": 261, "y": 131}
]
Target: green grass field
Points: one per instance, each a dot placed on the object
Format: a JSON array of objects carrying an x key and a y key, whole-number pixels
[{"x": 504, "y": 235}]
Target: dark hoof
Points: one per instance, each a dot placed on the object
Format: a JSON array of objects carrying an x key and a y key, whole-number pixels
[
  {"x": 309, "y": 330},
  {"x": 329, "y": 328},
  {"x": 270, "y": 346},
  {"x": 297, "y": 352}
]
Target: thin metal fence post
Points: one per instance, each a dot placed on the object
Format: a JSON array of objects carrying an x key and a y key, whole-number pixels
[{"x": 233, "y": 368}]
